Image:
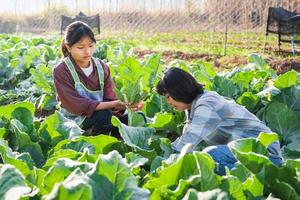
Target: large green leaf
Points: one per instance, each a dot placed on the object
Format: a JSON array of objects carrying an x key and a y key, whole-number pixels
[
  {"x": 250, "y": 181},
  {"x": 42, "y": 77},
  {"x": 225, "y": 87},
  {"x": 2, "y": 132},
  {"x": 291, "y": 97},
  {"x": 282, "y": 119},
  {"x": 47, "y": 102},
  {"x": 110, "y": 178},
  {"x": 21, "y": 142},
  {"x": 75, "y": 186},
  {"x": 155, "y": 104},
  {"x": 23, "y": 112},
  {"x": 63, "y": 153},
  {"x": 286, "y": 80},
  {"x": 7, "y": 73},
  {"x": 283, "y": 181},
  {"x": 130, "y": 69},
  {"x": 61, "y": 169},
  {"x": 100, "y": 144},
  {"x": 250, "y": 153},
  {"x": 12, "y": 184},
  {"x": 22, "y": 162},
  {"x": 74, "y": 144},
  {"x": 152, "y": 68},
  {"x": 215, "y": 194},
  {"x": 292, "y": 150},
  {"x": 131, "y": 92},
  {"x": 135, "y": 119},
  {"x": 136, "y": 137},
  {"x": 135, "y": 80},
  {"x": 267, "y": 138},
  {"x": 204, "y": 72},
  {"x": 232, "y": 185},
  {"x": 117, "y": 54},
  {"x": 169, "y": 122},
  {"x": 135, "y": 160},
  {"x": 39, "y": 178},
  {"x": 101, "y": 51},
  {"x": 114, "y": 180},
  {"x": 259, "y": 63},
  {"x": 293, "y": 164},
  {"x": 243, "y": 79},
  {"x": 56, "y": 128},
  {"x": 249, "y": 100},
  {"x": 249, "y": 145},
  {"x": 195, "y": 170},
  {"x": 257, "y": 59}
]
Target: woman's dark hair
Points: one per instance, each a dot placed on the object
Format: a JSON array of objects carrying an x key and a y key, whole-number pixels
[
  {"x": 180, "y": 85},
  {"x": 74, "y": 32}
]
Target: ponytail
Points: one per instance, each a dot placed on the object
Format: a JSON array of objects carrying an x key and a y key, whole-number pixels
[{"x": 64, "y": 49}]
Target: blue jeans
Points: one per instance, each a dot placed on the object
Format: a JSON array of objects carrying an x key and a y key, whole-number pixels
[{"x": 222, "y": 155}]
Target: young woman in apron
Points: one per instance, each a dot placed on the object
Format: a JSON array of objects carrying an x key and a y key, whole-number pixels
[{"x": 83, "y": 83}]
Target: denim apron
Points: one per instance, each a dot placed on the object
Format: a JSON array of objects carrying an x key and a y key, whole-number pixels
[{"x": 82, "y": 90}]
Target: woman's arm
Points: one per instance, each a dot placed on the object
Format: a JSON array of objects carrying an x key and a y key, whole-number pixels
[
  {"x": 111, "y": 105},
  {"x": 205, "y": 122}
]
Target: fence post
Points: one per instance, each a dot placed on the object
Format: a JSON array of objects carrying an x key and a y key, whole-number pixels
[{"x": 225, "y": 39}]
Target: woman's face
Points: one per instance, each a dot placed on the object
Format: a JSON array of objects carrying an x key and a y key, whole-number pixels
[
  {"x": 180, "y": 106},
  {"x": 82, "y": 51}
]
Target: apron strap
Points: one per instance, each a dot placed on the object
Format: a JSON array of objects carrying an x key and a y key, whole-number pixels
[
  {"x": 100, "y": 70},
  {"x": 71, "y": 68}
]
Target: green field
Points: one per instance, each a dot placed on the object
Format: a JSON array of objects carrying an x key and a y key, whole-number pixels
[{"x": 47, "y": 156}]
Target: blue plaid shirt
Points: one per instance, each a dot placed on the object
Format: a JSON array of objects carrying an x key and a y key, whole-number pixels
[{"x": 217, "y": 120}]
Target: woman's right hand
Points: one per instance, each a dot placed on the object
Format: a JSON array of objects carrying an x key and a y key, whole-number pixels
[{"x": 137, "y": 106}]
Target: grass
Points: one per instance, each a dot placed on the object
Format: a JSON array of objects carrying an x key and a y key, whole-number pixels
[
  {"x": 238, "y": 44},
  {"x": 208, "y": 46}
]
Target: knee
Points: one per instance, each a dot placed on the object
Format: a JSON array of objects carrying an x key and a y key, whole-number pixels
[
  {"x": 221, "y": 154},
  {"x": 210, "y": 149}
]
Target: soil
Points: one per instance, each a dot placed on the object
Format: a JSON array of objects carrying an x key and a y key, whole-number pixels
[{"x": 281, "y": 63}]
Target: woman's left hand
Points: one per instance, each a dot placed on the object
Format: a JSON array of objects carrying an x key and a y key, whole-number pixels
[{"x": 137, "y": 106}]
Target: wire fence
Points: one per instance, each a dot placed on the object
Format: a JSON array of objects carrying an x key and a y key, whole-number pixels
[{"x": 42, "y": 16}]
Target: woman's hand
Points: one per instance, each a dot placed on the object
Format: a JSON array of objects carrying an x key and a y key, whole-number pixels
[
  {"x": 118, "y": 105},
  {"x": 137, "y": 106}
]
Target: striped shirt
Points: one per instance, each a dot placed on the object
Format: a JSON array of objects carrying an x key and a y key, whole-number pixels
[{"x": 217, "y": 120}]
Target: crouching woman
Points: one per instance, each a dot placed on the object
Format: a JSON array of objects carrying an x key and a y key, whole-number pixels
[{"x": 212, "y": 120}]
